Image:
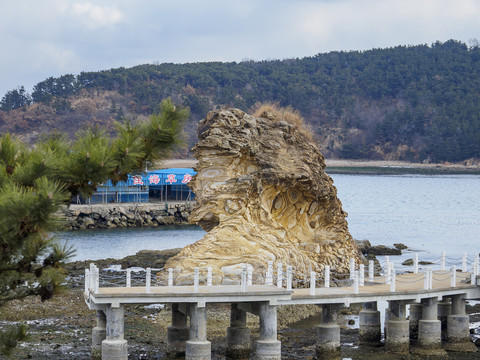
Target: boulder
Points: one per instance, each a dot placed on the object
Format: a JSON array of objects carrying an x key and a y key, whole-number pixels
[
  {"x": 262, "y": 194},
  {"x": 383, "y": 250},
  {"x": 363, "y": 246}
]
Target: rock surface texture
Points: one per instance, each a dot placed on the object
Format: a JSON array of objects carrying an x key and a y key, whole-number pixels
[{"x": 262, "y": 194}]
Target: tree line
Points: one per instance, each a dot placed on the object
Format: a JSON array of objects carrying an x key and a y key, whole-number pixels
[{"x": 406, "y": 102}]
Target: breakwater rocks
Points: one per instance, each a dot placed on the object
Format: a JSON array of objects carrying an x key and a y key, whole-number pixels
[{"x": 109, "y": 216}]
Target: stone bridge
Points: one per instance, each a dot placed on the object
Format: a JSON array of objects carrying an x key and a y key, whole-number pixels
[{"x": 427, "y": 294}]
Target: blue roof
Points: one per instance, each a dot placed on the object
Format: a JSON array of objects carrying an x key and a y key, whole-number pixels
[
  {"x": 173, "y": 176},
  {"x": 181, "y": 171}
]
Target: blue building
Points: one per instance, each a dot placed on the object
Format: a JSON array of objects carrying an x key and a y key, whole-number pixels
[
  {"x": 166, "y": 185},
  {"x": 170, "y": 184}
]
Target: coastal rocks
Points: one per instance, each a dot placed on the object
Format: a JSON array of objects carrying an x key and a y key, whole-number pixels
[
  {"x": 109, "y": 216},
  {"x": 366, "y": 248},
  {"x": 263, "y": 195},
  {"x": 383, "y": 250}
]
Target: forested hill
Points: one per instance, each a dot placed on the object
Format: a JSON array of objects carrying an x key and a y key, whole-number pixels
[{"x": 407, "y": 102}]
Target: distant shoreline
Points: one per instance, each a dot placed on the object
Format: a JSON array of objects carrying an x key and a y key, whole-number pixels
[{"x": 367, "y": 167}]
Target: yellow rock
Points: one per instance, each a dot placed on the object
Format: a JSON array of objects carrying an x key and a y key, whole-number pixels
[{"x": 262, "y": 195}]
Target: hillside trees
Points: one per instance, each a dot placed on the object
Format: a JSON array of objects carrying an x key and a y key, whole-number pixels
[
  {"x": 15, "y": 99},
  {"x": 36, "y": 182},
  {"x": 426, "y": 95}
]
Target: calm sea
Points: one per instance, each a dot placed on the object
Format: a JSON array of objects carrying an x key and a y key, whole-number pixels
[{"x": 427, "y": 213}]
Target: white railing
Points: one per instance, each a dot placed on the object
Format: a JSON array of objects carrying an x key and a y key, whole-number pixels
[{"x": 289, "y": 279}]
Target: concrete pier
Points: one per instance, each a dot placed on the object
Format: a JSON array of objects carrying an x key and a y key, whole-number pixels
[
  {"x": 430, "y": 330},
  {"x": 238, "y": 334},
  {"x": 328, "y": 335},
  {"x": 444, "y": 309},
  {"x": 178, "y": 333},
  {"x": 370, "y": 331},
  {"x": 414, "y": 317},
  {"x": 268, "y": 347},
  {"x": 397, "y": 338},
  {"x": 458, "y": 331},
  {"x": 114, "y": 347},
  {"x": 198, "y": 347},
  {"x": 99, "y": 333}
]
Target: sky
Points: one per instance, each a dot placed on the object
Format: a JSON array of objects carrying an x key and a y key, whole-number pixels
[{"x": 47, "y": 38}]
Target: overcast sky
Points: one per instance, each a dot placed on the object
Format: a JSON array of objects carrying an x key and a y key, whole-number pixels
[{"x": 47, "y": 38}]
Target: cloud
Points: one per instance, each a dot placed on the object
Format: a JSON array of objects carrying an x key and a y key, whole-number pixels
[
  {"x": 97, "y": 16},
  {"x": 53, "y": 37},
  {"x": 361, "y": 25}
]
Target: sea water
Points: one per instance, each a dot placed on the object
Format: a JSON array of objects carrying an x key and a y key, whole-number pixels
[{"x": 428, "y": 214}]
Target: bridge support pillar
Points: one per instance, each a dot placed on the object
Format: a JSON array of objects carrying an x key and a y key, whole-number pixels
[
  {"x": 397, "y": 339},
  {"x": 238, "y": 335},
  {"x": 444, "y": 309},
  {"x": 458, "y": 331},
  {"x": 268, "y": 347},
  {"x": 178, "y": 333},
  {"x": 430, "y": 330},
  {"x": 415, "y": 316},
  {"x": 198, "y": 348},
  {"x": 114, "y": 347},
  {"x": 328, "y": 336},
  {"x": 99, "y": 333},
  {"x": 369, "y": 332}
]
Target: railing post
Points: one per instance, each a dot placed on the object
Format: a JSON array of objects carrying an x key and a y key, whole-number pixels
[
  {"x": 362, "y": 275},
  {"x": 425, "y": 279},
  {"x": 415, "y": 264},
  {"x": 96, "y": 283},
  {"x": 388, "y": 278},
  {"x": 289, "y": 277},
  {"x": 464, "y": 262},
  {"x": 209, "y": 276},
  {"x": 392, "y": 283},
  {"x": 327, "y": 276},
  {"x": 250, "y": 276},
  {"x": 371, "y": 270},
  {"x": 91, "y": 284},
  {"x": 443, "y": 260},
  {"x": 148, "y": 280},
  {"x": 430, "y": 279},
  {"x": 129, "y": 277},
  {"x": 453, "y": 279},
  {"x": 352, "y": 268},
  {"x": 244, "y": 279},
  {"x": 312, "y": 282},
  {"x": 269, "y": 275},
  {"x": 355, "y": 282},
  {"x": 195, "y": 279},
  {"x": 170, "y": 277},
  {"x": 428, "y": 282},
  {"x": 279, "y": 275},
  {"x": 87, "y": 280},
  {"x": 473, "y": 276},
  {"x": 476, "y": 264}
]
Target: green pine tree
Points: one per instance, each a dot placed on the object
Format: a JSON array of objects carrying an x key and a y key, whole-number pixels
[{"x": 36, "y": 182}]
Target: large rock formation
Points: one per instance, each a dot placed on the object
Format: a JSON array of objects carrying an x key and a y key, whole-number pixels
[{"x": 262, "y": 194}]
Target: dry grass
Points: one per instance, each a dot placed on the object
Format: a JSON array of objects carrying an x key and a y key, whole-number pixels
[{"x": 287, "y": 114}]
